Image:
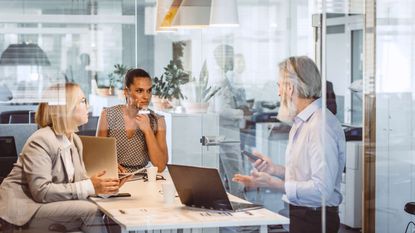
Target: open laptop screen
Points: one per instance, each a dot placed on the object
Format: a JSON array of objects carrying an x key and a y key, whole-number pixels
[{"x": 199, "y": 187}]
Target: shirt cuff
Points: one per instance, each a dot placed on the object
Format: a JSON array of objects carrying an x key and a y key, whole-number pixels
[
  {"x": 291, "y": 191},
  {"x": 84, "y": 189}
]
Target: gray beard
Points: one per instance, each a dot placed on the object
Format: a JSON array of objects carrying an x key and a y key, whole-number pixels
[{"x": 287, "y": 112}]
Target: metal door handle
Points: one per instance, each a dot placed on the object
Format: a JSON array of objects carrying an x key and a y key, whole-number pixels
[{"x": 216, "y": 141}]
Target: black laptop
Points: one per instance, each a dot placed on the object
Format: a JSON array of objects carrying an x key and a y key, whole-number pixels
[{"x": 202, "y": 188}]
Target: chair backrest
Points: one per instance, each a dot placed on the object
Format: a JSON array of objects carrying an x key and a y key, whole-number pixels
[
  {"x": 7, "y": 146},
  {"x": 17, "y": 117},
  {"x": 6, "y": 165},
  {"x": 20, "y": 132},
  {"x": 90, "y": 128},
  {"x": 8, "y": 156}
]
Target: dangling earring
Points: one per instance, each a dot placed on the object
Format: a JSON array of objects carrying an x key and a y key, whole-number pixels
[
  {"x": 127, "y": 103},
  {"x": 126, "y": 96}
]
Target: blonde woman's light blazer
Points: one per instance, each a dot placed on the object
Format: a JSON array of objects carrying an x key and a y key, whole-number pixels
[{"x": 40, "y": 177}]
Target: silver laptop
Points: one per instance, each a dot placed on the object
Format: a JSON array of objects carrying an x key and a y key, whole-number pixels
[{"x": 100, "y": 153}]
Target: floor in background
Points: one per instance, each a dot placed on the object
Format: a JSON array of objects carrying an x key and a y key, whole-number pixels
[{"x": 343, "y": 229}]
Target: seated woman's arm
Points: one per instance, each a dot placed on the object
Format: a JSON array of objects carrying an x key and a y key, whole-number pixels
[
  {"x": 37, "y": 170},
  {"x": 37, "y": 166},
  {"x": 156, "y": 143}
]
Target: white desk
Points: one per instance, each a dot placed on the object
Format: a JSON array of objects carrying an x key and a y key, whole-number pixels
[{"x": 145, "y": 211}]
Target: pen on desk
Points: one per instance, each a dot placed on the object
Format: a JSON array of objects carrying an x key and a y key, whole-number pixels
[
  {"x": 248, "y": 213},
  {"x": 122, "y": 211}
]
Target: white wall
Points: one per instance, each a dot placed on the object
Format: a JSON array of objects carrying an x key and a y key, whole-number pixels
[{"x": 338, "y": 69}]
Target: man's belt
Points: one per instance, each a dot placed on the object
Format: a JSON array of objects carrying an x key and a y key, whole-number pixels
[{"x": 316, "y": 209}]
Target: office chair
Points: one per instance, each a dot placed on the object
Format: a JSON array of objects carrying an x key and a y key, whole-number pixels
[
  {"x": 20, "y": 132},
  {"x": 90, "y": 128},
  {"x": 8, "y": 155},
  {"x": 6, "y": 166}
]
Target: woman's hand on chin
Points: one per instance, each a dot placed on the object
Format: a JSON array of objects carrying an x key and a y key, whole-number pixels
[{"x": 143, "y": 122}]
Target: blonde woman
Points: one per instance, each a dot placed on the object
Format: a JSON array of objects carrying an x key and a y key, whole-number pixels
[{"x": 48, "y": 184}]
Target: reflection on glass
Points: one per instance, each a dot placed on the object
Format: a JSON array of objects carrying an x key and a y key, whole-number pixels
[
  {"x": 394, "y": 82},
  {"x": 357, "y": 74},
  {"x": 75, "y": 38}
]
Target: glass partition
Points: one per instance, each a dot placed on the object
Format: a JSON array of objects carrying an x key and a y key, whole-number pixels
[
  {"x": 394, "y": 88},
  {"x": 341, "y": 55},
  {"x": 243, "y": 62},
  {"x": 222, "y": 100}
]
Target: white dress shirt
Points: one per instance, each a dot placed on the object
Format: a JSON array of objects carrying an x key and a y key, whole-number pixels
[
  {"x": 314, "y": 160},
  {"x": 84, "y": 188}
]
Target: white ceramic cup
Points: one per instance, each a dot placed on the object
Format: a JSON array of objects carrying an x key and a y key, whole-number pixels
[
  {"x": 151, "y": 174},
  {"x": 169, "y": 192}
]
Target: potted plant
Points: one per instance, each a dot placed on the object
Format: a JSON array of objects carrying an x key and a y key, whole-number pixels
[
  {"x": 159, "y": 89},
  {"x": 114, "y": 83},
  {"x": 167, "y": 87},
  {"x": 198, "y": 93},
  {"x": 103, "y": 90},
  {"x": 116, "y": 79}
]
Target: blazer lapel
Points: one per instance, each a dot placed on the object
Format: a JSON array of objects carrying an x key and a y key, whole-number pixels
[
  {"x": 63, "y": 161},
  {"x": 65, "y": 150},
  {"x": 77, "y": 160},
  {"x": 76, "y": 164}
]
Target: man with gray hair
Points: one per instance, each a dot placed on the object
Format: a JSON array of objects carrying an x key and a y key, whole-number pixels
[{"x": 315, "y": 154}]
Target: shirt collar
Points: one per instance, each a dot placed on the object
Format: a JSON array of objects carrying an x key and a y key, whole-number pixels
[
  {"x": 308, "y": 111},
  {"x": 65, "y": 142}
]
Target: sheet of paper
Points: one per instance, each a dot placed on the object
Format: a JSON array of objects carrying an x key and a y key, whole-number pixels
[
  {"x": 149, "y": 215},
  {"x": 220, "y": 215},
  {"x": 132, "y": 173}
]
